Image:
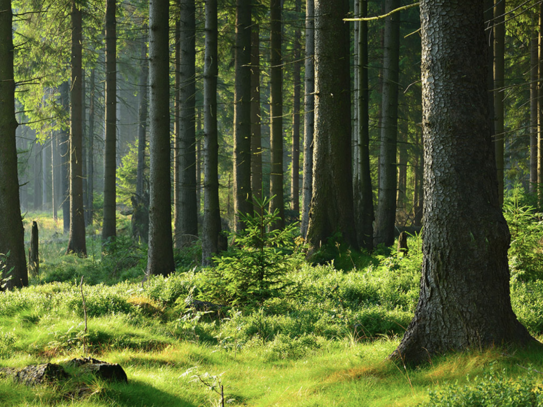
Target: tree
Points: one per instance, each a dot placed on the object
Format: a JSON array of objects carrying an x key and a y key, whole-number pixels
[
  {"x": 332, "y": 202},
  {"x": 533, "y": 105},
  {"x": 160, "y": 255},
  {"x": 499, "y": 71},
  {"x": 256, "y": 131},
  {"x": 11, "y": 223},
  {"x": 386, "y": 210},
  {"x": 64, "y": 146},
  {"x": 242, "y": 114},
  {"x": 76, "y": 241},
  {"x": 142, "y": 125},
  {"x": 212, "y": 216},
  {"x": 90, "y": 148},
  {"x": 309, "y": 105},
  {"x": 464, "y": 297},
  {"x": 110, "y": 157},
  {"x": 295, "y": 177}
]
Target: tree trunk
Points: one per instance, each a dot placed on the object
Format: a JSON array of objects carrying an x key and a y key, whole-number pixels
[
  {"x": 499, "y": 108},
  {"x": 65, "y": 159},
  {"x": 402, "y": 168},
  {"x": 160, "y": 255},
  {"x": 188, "y": 220},
  {"x": 212, "y": 217},
  {"x": 11, "y": 224},
  {"x": 276, "y": 114},
  {"x": 84, "y": 143},
  {"x": 309, "y": 105},
  {"x": 256, "y": 131},
  {"x": 242, "y": 114},
  {"x": 540, "y": 115},
  {"x": 332, "y": 202},
  {"x": 142, "y": 127},
  {"x": 386, "y": 210},
  {"x": 356, "y": 94},
  {"x": 54, "y": 142},
  {"x": 295, "y": 176},
  {"x": 90, "y": 150},
  {"x": 34, "y": 251},
  {"x": 533, "y": 107},
  {"x": 76, "y": 240},
  {"x": 109, "y": 229},
  {"x": 464, "y": 296},
  {"x": 364, "y": 195}
]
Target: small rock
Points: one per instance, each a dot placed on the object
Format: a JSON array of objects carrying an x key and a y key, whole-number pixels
[
  {"x": 107, "y": 371},
  {"x": 32, "y": 375}
]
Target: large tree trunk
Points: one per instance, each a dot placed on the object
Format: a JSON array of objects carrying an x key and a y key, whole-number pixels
[
  {"x": 11, "y": 224},
  {"x": 386, "y": 210},
  {"x": 464, "y": 291},
  {"x": 499, "y": 108},
  {"x": 242, "y": 114},
  {"x": 76, "y": 240},
  {"x": 256, "y": 131},
  {"x": 309, "y": 106},
  {"x": 295, "y": 176},
  {"x": 332, "y": 203},
  {"x": 64, "y": 146},
  {"x": 110, "y": 155},
  {"x": 212, "y": 216},
  {"x": 276, "y": 114},
  {"x": 533, "y": 106},
  {"x": 160, "y": 256},
  {"x": 364, "y": 191}
]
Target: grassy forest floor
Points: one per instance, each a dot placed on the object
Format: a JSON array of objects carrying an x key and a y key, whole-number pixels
[{"x": 323, "y": 342}]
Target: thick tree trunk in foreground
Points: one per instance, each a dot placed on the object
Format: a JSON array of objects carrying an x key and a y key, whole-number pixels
[
  {"x": 11, "y": 224},
  {"x": 212, "y": 216},
  {"x": 464, "y": 296},
  {"x": 110, "y": 157},
  {"x": 242, "y": 114},
  {"x": 332, "y": 202},
  {"x": 160, "y": 256},
  {"x": 76, "y": 241},
  {"x": 309, "y": 122}
]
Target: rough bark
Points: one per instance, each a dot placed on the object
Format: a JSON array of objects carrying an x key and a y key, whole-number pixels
[
  {"x": 90, "y": 149},
  {"x": 242, "y": 114},
  {"x": 76, "y": 240},
  {"x": 256, "y": 131},
  {"x": 533, "y": 108},
  {"x": 276, "y": 113},
  {"x": 110, "y": 155},
  {"x": 499, "y": 108},
  {"x": 464, "y": 298},
  {"x": 386, "y": 210},
  {"x": 309, "y": 122},
  {"x": 540, "y": 113},
  {"x": 364, "y": 190},
  {"x": 142, "y": 126},
  {"x": 212, "y": 217},
  {"x": 160, "y": 255},
  {"x": 11, "y": 224},
  {"x": 332, "y": 202},
  {"x": 64, "y": 146},
  {"x": 295, "y": 175}
]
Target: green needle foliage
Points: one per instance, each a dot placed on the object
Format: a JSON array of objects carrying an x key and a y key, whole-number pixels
[{"x": 256, "y": 266}]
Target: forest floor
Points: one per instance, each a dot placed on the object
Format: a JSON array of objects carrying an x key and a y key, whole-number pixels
[{"x": 327, "y": 345}]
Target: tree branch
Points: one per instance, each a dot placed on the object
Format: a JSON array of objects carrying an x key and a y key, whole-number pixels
[{"x": 382, "y": 15}]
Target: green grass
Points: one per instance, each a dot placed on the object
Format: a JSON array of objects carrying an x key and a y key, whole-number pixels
[{"x": 325, "y": 346}]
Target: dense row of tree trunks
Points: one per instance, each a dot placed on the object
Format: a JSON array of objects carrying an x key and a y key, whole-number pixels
[
  {"x": 160, "y": 256},
  {"x": 110, "y": 155},
  {"x": 499, "y": 109},
  {"x": 212, "y": 218},
  {"x": 386, "y": 210},
  {"x": 242, "y": 114},
  {"x": 309, "y": 106},
  {"x": 11, "y": 225},
  {"x": 276, "y": 113},
  {"x": 295, "y": 175},
  {"x": 332, "y": 208},
  {"x": 76, "y": 240},
  {"x": 465, "y": 235},
  {"x": 256, "y": 129}
]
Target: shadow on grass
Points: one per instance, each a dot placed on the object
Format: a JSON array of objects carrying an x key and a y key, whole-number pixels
[{"x": 137, "y": 393}]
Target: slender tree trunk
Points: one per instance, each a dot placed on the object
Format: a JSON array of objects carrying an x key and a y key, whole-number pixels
[
  {"x": 142, "y": 127},
  {"x": 356, "y": 95},
  {"x": 276, "y": 114},
  {"x": 160, "y": 255},
  {"x": 540, "y": 114},
  {"x": 177, "y": 149},
  {"x": 364, "y": 195},
  {"x": 90, "y": 150},
  {"x": 499, "y": 108},
  {"x": 464, "y": 298},
  {"x": 37, "y": 179},
  {"x": 65, "y": 159},
  {"x": 44, "y": 174},
  {"x": 11, "y": 224},
  {"x": 309, "y": 106},
  {"x": 109, "y": 228},
  {"x": 533, "y": 107},
  {"x": 242, "y": 114},
  {"x": 386, "y": 210},
  {"x": 295, "y": 176},
  {"x": 256, "y": 130},
  {"x": 212, "y": 217},
  {"x": 54, "y": 143},
  {"x": 84, "y": 143},
  {"x": 332, "y": 208},
  {"x": 402, "y": 167}
]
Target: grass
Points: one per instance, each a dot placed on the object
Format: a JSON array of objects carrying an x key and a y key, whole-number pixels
[{"x": 326, "y": 346}]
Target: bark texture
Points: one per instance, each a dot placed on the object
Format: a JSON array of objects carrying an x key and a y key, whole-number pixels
[
  {"x": 295, "y": 176},
  {"x": 499, "y": 107},
  {"x": 332, "y": 202},
  {"x": 76, "y": 241},
  {"x": 90, "y": 149},
  {"x": 64, "y": 146},
  {"x": 110, "y": 155},
  {"x": 256, "y": 131},
  {"x": 533, "y": 108},
  {"x": 11, "y": 224},
  {"x": 464, "y": 291},
  {"x": 160, "y": 256},
  {"x": 142, "y": 126}
]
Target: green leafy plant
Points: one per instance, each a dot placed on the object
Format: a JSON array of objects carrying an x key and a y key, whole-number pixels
[{"x": 255, "y": 268}]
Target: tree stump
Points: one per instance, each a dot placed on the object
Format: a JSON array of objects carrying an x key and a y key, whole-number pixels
[
  {"x": 402, "y": 243},
  {"x": 33, "y": 251},
  {"x": 107, "y": 371},
  {"x": 32, "y": 375}
]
